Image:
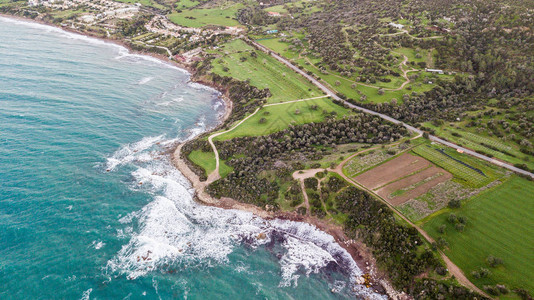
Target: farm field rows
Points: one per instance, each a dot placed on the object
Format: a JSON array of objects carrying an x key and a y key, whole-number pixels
[
  {"x": 500, "y": 224},
  {"x": 466, "y": 169},
  {"x": 405, "y": 177},
  {"x": 497, "y": 148}
]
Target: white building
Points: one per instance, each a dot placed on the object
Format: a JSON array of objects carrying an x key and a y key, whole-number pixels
[
  {"x": 434, "y": 71},
  {"x": 398, "y": 26}
]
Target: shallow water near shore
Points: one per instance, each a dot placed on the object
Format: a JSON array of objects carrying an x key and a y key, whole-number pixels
[{"x": 90, "y": 205}]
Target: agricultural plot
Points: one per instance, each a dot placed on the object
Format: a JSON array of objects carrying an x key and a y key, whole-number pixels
[
  {"x": 368, "y": 159},
  {"x": 399, "y": 167},
  {"x": 413, "y": 186},
  {"x": 403, "y": 178},
  {"x": 434, "y": 199},
  {"x": 500, "y": 224},
  {"x": 465, "y": 169},
  {"x": 263, "y": 71},
  {"x": 492, "y": 146}
]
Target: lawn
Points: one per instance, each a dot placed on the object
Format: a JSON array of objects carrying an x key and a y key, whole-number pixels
[
  {"x": 206, "y": 160},
  {"x": 184, "y": 4},
  {"x": 466, "y": 169},
  {"x": 499, "y": 223},
  {"x": 263, "y": 71},
  {"x": 201, "y": 17},
  {"x": 279, "y": 117}
]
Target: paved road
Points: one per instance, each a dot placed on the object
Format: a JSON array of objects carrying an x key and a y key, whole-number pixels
[{"x": 385, "y": 117}]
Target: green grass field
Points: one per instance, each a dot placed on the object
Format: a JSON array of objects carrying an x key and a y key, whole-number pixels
[
  {"x": 509, "y": 152},
  {"x": 263, "y": 71},
  {"x": 500, "y": 222},
  {"x": 150, "y": 3},
  {"x": 206, "y": 160},
  {"x": 201, "y": 17},
  {"x": 461, "y": 172},
  {"x": 184, "y": 4},
  {"x": 279, "y": 117}
]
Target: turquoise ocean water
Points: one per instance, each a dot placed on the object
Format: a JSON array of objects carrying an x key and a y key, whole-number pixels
[{"x": 90, "y": 206}]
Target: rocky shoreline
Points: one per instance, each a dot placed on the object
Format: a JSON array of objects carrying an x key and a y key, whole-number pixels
[{"x": 358, "y": 251}]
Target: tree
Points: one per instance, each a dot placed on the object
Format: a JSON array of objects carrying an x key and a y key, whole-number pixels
[
  {"x": 494, "y": 261},
  {"x": 452, "y": 218},
  {"x": 455, "y": 203},
  {"x": 263, "y": 121},
  {"x": 381, "y": 91}
]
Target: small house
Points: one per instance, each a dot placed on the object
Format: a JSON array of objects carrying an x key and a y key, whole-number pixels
[
  {"x": 435, "y": 71},
  {"x": 395, "y": 25}
]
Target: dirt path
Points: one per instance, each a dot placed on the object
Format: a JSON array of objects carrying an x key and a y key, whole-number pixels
[
  {"x": 404, "y": 31},
  {"x": 215, "y": 174},
  {"x": 306, "y": 200}
]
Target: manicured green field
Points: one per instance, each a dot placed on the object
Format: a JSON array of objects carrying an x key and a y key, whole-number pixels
[
  {"x": 279, "y": 117},
  {"x": 461, "y": 172},
  {"x": 207, "y": 16},
  {"x": 263, "y": 71},
  {"x": 206, "y": 160},
  {"x": 500, "y": 222}
]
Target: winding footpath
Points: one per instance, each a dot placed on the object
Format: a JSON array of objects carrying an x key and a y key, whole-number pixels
[
  {"x": 388, "y": 118},
  {"x": 215, "y": 174}
]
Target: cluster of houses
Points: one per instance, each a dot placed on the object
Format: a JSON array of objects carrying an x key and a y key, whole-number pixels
[{"x": 104, "y": 9}]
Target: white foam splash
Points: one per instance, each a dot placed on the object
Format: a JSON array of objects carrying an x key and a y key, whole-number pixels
[
  {"x": 128, "y": 153},
  {"x": 175, "y": 230},
  {"x": 98, "y": 245},
  {"x": 301, "y": 255},
  {"x": 86, "y": 294}
]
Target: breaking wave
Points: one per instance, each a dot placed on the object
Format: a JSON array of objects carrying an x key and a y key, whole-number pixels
[{"x": 175, "y": 232}]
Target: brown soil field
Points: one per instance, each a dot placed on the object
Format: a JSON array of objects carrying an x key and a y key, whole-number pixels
[
  {"x": 438, "y": 176},
  {"x": 399, "y": 167}
]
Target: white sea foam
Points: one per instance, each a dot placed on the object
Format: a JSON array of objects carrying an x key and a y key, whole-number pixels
[
  {"x": 86, "y": 294},
  {"x": 98, "y": 245},
  {"x": 199, "y": 86},
  {"x": 129, "y": 152},
  {"x": 145, "y": 80},
  {"x": 174, "y": 230}
]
